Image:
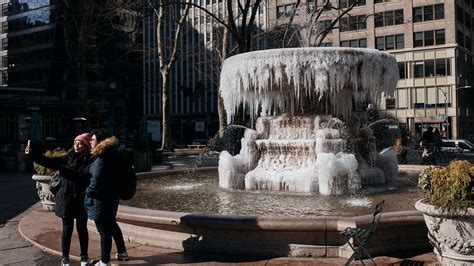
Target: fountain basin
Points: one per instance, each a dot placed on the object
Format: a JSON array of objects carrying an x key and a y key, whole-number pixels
[
  {"x": 270, "y": 236},
  {"x": 263, "y": 235}
]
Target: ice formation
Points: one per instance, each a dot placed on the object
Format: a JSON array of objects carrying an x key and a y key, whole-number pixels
[
  {"x": 283, "y": 80},
  {"x": 298, "y": 143}
]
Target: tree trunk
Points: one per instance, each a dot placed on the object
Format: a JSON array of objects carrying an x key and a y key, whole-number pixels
[{"x": 166, "y": 138}]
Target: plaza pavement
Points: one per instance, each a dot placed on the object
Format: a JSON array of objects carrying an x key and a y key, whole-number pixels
[{"x": 21, "y": 217}]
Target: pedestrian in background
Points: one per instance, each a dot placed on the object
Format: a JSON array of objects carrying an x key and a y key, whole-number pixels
[
  {"x": 102, "y": 195},
  {"x": 74, "y": 172}
]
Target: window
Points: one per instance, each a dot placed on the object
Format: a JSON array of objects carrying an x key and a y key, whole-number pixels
[
  {"x": 379, "y": 20},
  {"x": 322, "y": 25},
  {"x": 468, "y": 43},
  {"x": 4, "y": 44},
  {"x": 5, "y": 27},
  {"x": 280, "y": 11},
  {"x": 467, "y": 20},
  {"x": 439, "y": 37},
  {"x": 389, "y": 18},
  {"x": 310, "y": 6},
  {"x": 326, "y": 44},
  {"x": 440, "y": 67},
  {"x": 353, "y": 23},
  {"x": 349, "y": 3},
  {"x": 429, "y": 68},
  {"x": 459, "y": 14},
  {"x": 439, "y": 11},
  {"x": 400, "y": 41},
  {"x": 399, "y": 17},
  {"x": 417, "y": 14},
  {"x": 285, "y": 11},
  {"x": 5, "y": 9},
  {"x": 428, "y": 13},
  {"x": 356, "y": 43},
  {"x": 390, "y": 42},
  {"x": 460, "y": 38},
  {"x": 380, "y": 43},
  {"x": 401, "y": 70},
  {"x": 390, "y": 103},
  {"x": 428, "y": 38},
  {"x": 418, "y": 39},
  {"x": 418, "y": 70}
]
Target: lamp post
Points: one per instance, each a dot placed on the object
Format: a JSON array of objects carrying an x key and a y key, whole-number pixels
[{"x": 445, "y": 94}]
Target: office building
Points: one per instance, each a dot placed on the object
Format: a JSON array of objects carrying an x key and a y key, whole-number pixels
[{"x": 431, "y": 40}]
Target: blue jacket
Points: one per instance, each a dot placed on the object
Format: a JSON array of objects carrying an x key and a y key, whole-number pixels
[{"x": 102, "y": 194}]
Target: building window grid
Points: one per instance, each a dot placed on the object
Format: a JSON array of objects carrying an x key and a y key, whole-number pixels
[
  {"x": 425, "y": 38},
  {"x": 348, "y": 3},
  {"x": 389, "y": 18},
  {"x": 353, "y": 23},
  {"x": 428, "y": 13},
  {"x": 390, "y": 42},
  {"x": 354, "y": 43},
  {"x": 430, "y": 68},
  {"x": 285, "y": 11}
]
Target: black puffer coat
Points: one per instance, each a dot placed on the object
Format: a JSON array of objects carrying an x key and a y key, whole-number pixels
[
  {"x": 75, "y": 177},
  {"x": 102, "y": 195}
]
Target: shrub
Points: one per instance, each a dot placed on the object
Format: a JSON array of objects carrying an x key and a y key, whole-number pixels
[
  {"x": 449, "y": 188},
  {"x": 41, "y": 170}
]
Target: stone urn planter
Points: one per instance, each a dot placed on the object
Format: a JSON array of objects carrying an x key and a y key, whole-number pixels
[
  {"x": 42, "y": 187},
  {"x": 451, "y": 234}
]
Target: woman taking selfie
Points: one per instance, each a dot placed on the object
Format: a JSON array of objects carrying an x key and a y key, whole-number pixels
[{"x": 74, "y": 172}]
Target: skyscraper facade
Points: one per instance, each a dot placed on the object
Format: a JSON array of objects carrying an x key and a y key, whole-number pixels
[{"x": 431, "y": 40}]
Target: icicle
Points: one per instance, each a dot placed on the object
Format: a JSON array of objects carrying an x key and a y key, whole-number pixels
[{"x": 249, "y": 76}]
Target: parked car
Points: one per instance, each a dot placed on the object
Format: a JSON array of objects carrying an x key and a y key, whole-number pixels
[{"x": 457, "y": 145}]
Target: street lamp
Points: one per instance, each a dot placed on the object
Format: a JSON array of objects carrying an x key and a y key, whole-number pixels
[{"x": 445, "y": 94}]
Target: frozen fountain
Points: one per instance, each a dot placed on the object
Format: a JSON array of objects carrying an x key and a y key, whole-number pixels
[
  {"x": 306, "y": 140},
  {"x": 301, "y": 97}
]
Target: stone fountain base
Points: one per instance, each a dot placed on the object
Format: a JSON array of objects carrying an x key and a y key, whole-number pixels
[{"x": 266, "y": 236}]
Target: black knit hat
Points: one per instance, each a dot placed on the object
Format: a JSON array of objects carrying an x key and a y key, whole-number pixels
[{"x": 100, "y": 134}]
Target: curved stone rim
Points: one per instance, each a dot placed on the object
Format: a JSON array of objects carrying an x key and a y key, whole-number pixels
[
  {"x": 435, "y": 211},
  {"x": 270, "y": 236}
]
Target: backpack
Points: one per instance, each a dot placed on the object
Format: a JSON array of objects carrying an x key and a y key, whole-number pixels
[{"x": 128, "y": 181}]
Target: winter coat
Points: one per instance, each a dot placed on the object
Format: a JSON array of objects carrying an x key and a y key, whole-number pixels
[
  {"x": 74, "y": 171},
  {"x": 102, "y": 195}
]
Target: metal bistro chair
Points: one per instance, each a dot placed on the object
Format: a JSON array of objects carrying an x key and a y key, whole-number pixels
[{"x": 360, "y": 236}]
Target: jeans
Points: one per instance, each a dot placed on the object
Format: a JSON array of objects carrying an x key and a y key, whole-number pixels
[
  {"x": 81, "y": 227},
  {"x": 107, "y": 231}
]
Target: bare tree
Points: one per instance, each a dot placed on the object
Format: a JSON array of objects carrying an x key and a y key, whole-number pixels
[
  {"x": 167, "y": 59},
  {"x": 78, "y": 21},
  {"x": 89, "y": 29},
  {"x": 314, "y": 31}
]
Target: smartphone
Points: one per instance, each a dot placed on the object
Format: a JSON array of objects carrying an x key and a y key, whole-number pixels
[{"x": 27, "y": 149}]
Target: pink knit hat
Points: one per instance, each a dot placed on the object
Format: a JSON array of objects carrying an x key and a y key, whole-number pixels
[{"x": 85, "y": 138}]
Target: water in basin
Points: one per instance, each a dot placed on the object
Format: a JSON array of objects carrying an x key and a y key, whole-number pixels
[{"x": 199, "y": 192}]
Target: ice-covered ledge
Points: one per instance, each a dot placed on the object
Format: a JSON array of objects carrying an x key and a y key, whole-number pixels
[{"x": 280, "y": 78}]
